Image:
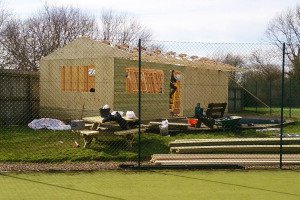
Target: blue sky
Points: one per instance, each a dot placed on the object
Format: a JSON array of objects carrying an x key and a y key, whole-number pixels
[{"x": 183, "y": 20}]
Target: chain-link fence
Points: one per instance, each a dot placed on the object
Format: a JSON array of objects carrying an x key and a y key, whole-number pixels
[{"x": 170, "y": 104}]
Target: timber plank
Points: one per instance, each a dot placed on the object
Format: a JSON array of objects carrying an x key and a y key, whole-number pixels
[
  {"x": 235, "y": 149},
  {"x": 182, "y": 157},
  {"x": 235, "y": 141},
  {"x": 227, "y": 162}
]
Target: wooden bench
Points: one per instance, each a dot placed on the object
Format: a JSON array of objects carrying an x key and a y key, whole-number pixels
[
  {"x": 214, "y": 111},
  {"x": 98, "y": 121},
  {"x": 89, "y": 135},
  {"x": 98, "y": 129}
]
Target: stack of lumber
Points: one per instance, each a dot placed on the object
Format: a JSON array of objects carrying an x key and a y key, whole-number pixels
[
  {"x": 235, "y": 145},
  {"x": 224, "y": 159},
  {"x": 235, "y": 151}
]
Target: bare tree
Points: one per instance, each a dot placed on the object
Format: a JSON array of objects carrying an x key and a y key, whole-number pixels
[
  {"x": 15, "y": 47},
  {"x": 26, "y": 42},
  {"x": 110, "y": 23},
  {"x": 285, "y": 27},
  {"x": 5, "y": 16},
  {"x": 264, "y": 66},
  {"x": 233, "y": 60},
  {"x": 262, "y": 77},
  {"x": 119, "y": 28}
]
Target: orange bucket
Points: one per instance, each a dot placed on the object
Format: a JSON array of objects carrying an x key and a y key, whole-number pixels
[{"x": 192, "y": 122}]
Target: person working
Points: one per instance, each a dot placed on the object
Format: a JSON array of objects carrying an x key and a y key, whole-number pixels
[{"x": 172, "y": 84}]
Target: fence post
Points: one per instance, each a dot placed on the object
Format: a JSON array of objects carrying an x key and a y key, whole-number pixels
[
  {"x": 139, "y": 105},
  {"x": 256, "y": 96},
  {"x": 242, "y": 96},
  {"x": 29, "y": 99},
  {"x": 282, "y": 98},
  {"x": 270, "y": 96},
  {"x": 290, "y": 97},
  {"x": 234, "y": 102}
]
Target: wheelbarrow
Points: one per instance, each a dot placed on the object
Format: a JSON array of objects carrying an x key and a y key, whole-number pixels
[{"x": 230, "y": 122}]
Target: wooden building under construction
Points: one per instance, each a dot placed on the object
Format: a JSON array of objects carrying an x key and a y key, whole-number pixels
[{"x": 78, "y": 79}]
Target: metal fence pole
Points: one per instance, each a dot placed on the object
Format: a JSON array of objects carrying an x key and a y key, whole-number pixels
[
  {"x": 282, "y": 99},
  {"x": 256, "y": 96},
  {"x": 234, "y": 102},
  {"x": 139, "y": 105},
  {"x": 242, "y": 96},
  {"x": 270, "y": 96},
  {"x": 29, "y": 100},
  {"x": 290, "y": 97}
]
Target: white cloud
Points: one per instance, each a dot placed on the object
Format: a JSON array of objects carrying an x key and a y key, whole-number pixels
[{"x": 189, "y": 20}]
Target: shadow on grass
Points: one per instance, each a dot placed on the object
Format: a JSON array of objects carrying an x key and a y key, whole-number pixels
[
  {"x": 21, "y": 144},
  {"x": 228, "y": 184},
  {"x": 62, "y": 187},
  {"x": 118, "y": 149},
  {"x": 222, "y": 134}
]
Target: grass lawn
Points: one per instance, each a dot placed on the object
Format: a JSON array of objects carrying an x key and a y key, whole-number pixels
[
  {"x": 117, "y": 185},
  {"x": 264, "y": 111},
  {"x": 21, "y": 144}
]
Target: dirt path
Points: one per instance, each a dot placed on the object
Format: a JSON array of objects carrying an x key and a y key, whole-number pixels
[
  {"x": 76, "y": 166},
  {"x": 98, "y": 166}
]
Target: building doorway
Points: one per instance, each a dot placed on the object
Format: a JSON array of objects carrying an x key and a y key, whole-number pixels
[{"x": 175, "y": 93}]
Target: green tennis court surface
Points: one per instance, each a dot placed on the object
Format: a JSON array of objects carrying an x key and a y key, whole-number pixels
[{"x": 121, "y": 185}]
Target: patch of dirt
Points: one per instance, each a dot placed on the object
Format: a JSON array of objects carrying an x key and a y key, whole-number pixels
[
  {"x": 98, "y": 166},
  {"x": 68, "y": 166},
  {"x": 287, "y": 167}
]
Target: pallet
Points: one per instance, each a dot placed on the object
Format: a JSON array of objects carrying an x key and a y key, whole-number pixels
[{"x": 154, "y": 126}]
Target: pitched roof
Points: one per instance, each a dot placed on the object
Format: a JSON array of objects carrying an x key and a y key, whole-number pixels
[{"x": 85, "y": 47}]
